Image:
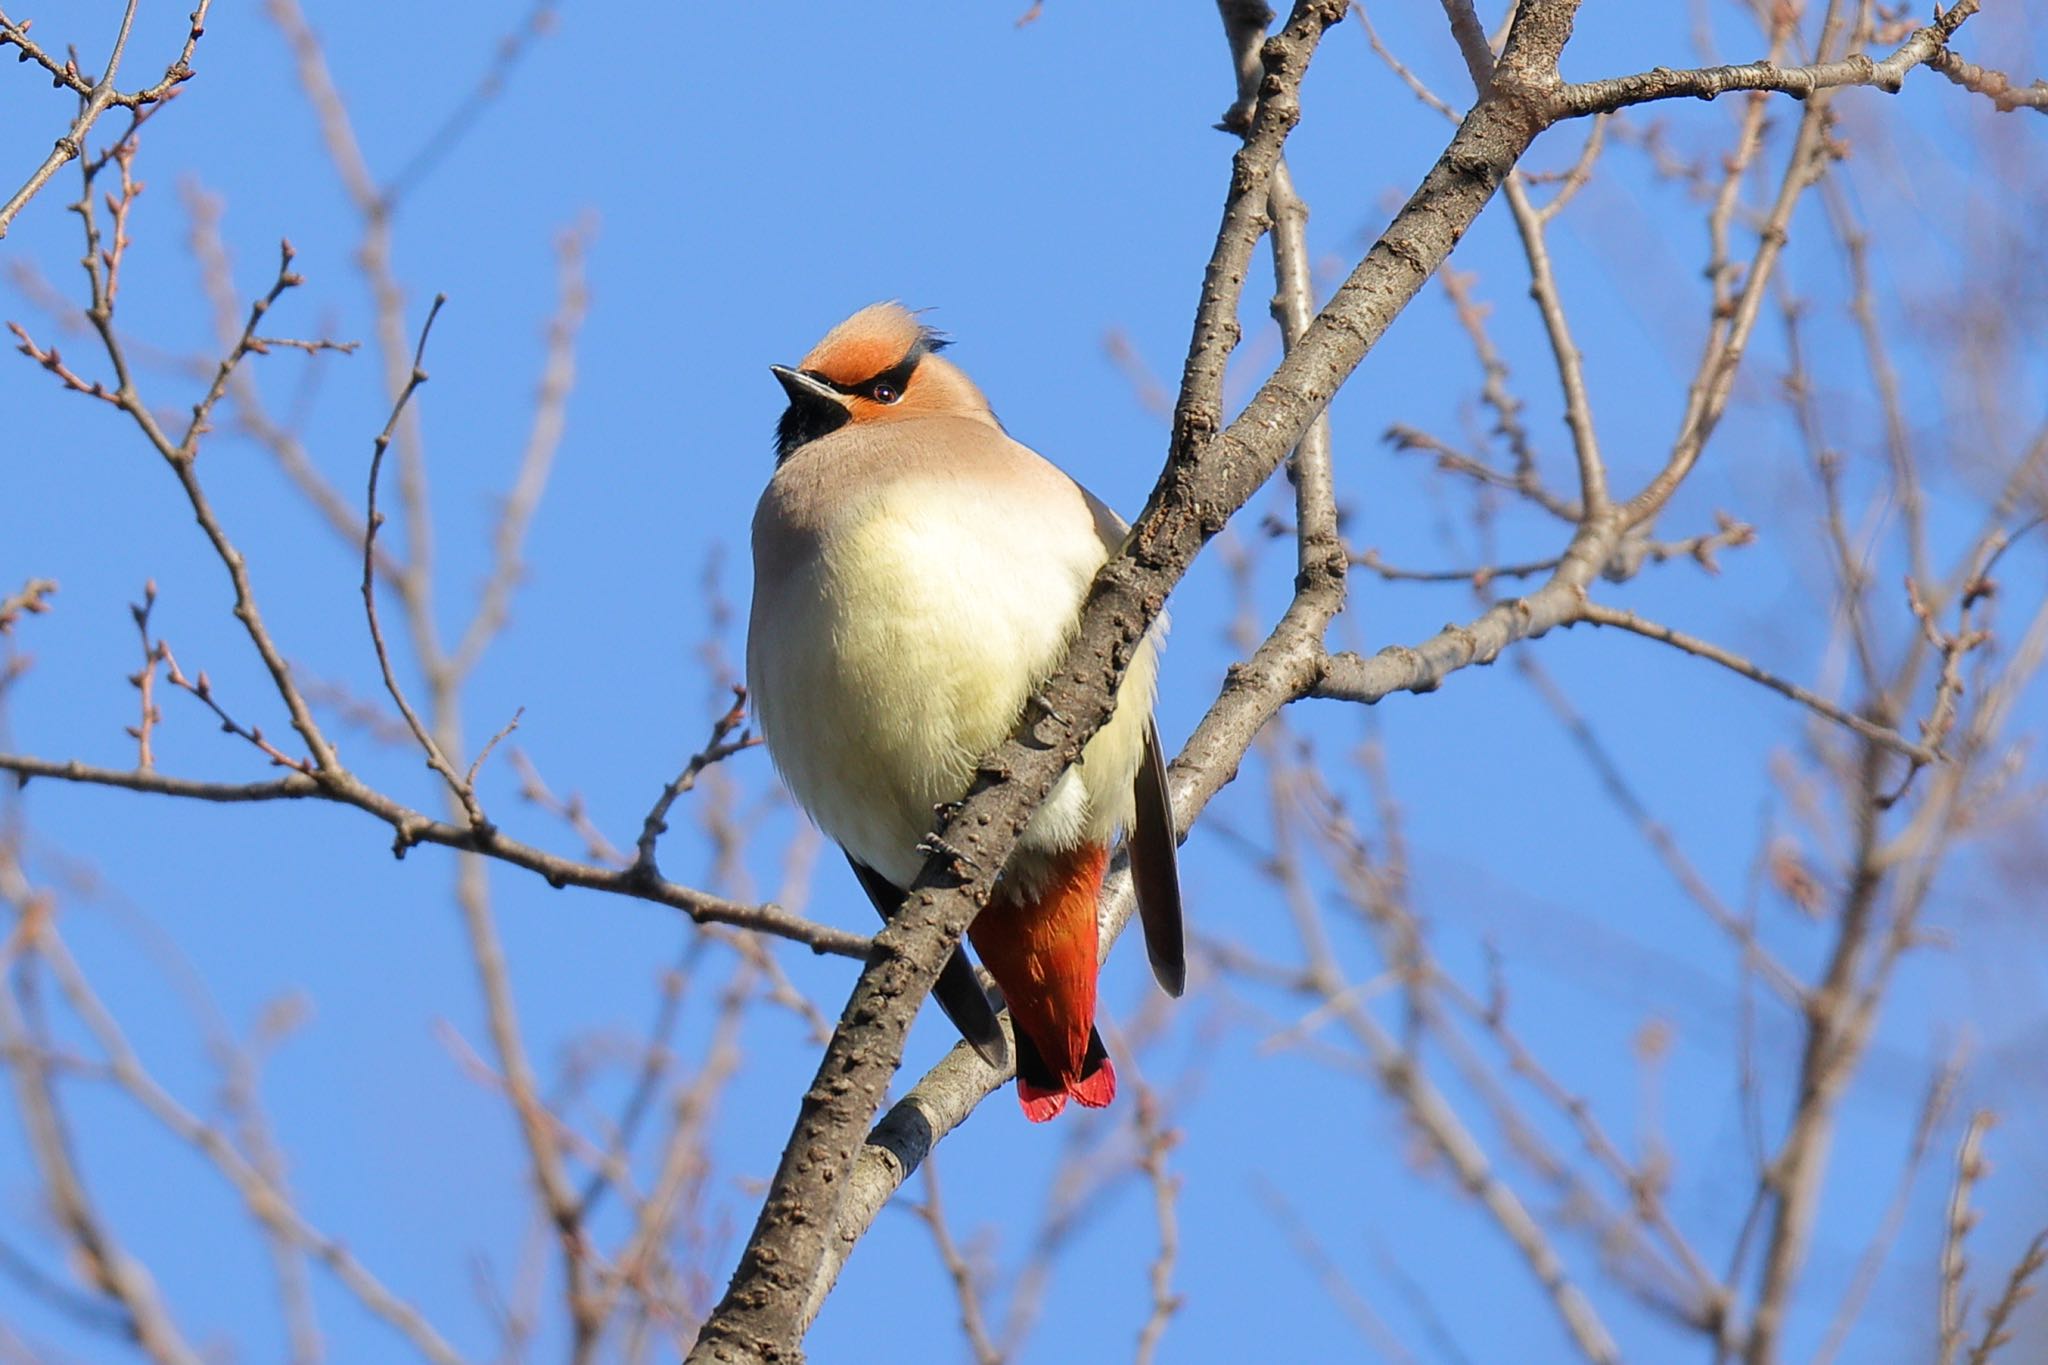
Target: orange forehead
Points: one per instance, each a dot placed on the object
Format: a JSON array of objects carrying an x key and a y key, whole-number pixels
[{"x": 866, "y": 344}]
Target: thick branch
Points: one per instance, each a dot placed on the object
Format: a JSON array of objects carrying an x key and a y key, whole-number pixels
[
  {"x": 1253, "y": 692},
  {"x": 1200, "y": 489}
]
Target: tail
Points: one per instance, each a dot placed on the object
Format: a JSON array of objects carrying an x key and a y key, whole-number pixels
[
  {"x": 1043, "y": 1094},
  {"x": 1041, "y": 951}
]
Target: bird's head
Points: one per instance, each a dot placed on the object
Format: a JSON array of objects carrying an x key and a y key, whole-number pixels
[{"x": 880, "y": 365}]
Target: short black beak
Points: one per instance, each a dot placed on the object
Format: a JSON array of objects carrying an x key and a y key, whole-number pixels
[
  {"x": 815, "y": 409},
  {"x": 806, "y": 391}
]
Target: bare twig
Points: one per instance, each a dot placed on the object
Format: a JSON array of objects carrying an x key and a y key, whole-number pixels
[
  {"x": 1529, "y": 222},
  {"x": 181, "y": 455},
  {"x": 415, "y": 828},
  {"x": 1498, "y": 395},
  {"x": 1755, "y": 956},
  {"x": 2019, "y": 1287},
  {"x": 32, "y": 600},
  {"x": 1954, "y": 1307},
  {"x": 570, "y": 810},
  {"x": 105, "y": 1264},
  {"x": 144, "y": 678},
  {"x": 1156, "y": 1141},
  {"x": 1523, "y": 482},
  {"x": 1932, "y": 1111},
  {"x": 202, "y": 688},
  {"x": 1802, "y": 82},
  {"x": 538, "y": 22},
  {"x": 1394, "y": 64},
  {"x": 251, "y": 417},
  {"x": 469, "y": 778},
  {"x": 720, "y": 746},
  {"x": 544, "y": 437},
  {"x": 1576, "y": 177},
  {"x": 1629, "y": 558},
  {"x": 240, "y": 1064},
  {"x": 1336, "y": 1284},
  {"x": 1881, "y": 735},
  {"x": 268, "y": 1204},
  {"x": 67, "y": 75},
  {"x": 95, "y": 97},
  {"x": 2005, "y": 95},
  {"x": 1423, "y": 1102},
  {"x": 1578, "y": 413},
  {"x": 966, "y": 1292},
  {"x": 438, "y": 761},
  {"x": 1734, "y": 315}
]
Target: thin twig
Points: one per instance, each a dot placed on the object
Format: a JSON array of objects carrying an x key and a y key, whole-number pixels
[
  {"x": 1954, "y": 1306},
  {"x": 1352, "y": 1303},
  {"x": 1599, "y": 615},
  {"x": 104, "y": 1263},
  {"x": 414, "y": 828},
  {"x": 1933, "y": 1110},
  {"x": 95, "y": 100},
  {"x": 143, "y": 680},
  {"x": 1407, "y": 77},
  {"x": 2019, "y": 1287},
  {"x": 268, "y": 1204},
  {"x": 372, "y": 520},
  {"x": 544, "y": 438},
  {"x": 966, "y": 1293},
  {"x": 32, "y": 600},
  {"x": 2004, "y": 93},
  {"x": 202, "y": 688},
  {"x": 1156, "y": 1141},
  {"x": 1755, "y": 956},
  {"x": 719, "y": 747},
  {"x": 1801, "y": 82},
  {"x": 538, "y": 22}
]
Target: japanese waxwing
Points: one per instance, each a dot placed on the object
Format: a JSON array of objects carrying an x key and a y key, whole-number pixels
[{"x": 917, "y": 577}]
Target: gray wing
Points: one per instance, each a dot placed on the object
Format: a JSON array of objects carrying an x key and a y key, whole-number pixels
[
  {"x": 1154, "y": 844},
  {"x": 958, "y": 991},
  {"x": 1155, "y": 870}
]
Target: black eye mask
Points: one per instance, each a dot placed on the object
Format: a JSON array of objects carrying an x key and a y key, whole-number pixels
[{"x": 805, "y": 421}]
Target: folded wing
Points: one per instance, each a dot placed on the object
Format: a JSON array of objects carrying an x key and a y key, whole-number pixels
[
  {"x": 1155, "y": 871},
  {"x": 958, "y": 991}
]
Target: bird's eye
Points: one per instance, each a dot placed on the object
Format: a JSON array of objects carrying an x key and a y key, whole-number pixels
[{"x": 884, "y": 393}]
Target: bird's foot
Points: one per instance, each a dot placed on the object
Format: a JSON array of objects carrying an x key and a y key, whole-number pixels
[
  {"x": 932, "y": 843},
  {"x": 1046, "y": 708}
]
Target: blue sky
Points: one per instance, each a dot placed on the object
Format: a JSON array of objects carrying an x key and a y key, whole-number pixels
[{"x": 747, "y": 177}]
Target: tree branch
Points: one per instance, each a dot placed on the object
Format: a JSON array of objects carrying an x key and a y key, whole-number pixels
[
  {"x": 1204, "y": 483},
  {"x": 95, "y": 97},
  {"x": 1880, "y": 735},
  {"x": 1663, "y": 83},
  {"x": 415, "y": 828}
]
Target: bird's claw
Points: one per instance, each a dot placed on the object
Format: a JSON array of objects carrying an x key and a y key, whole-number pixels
[
  {"x": 1046, "y": 708},
  {"x": 932, "y": 843}
]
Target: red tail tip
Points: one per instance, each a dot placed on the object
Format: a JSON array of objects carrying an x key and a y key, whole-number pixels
[
  {"x": 1097, "y": 1090},
  {"x": 1094, "y": 1092},
  {"x": 1040, "y": 1105}
]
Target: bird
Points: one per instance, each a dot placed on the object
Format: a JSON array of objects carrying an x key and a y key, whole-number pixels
[{"x": 918, "y": 576}]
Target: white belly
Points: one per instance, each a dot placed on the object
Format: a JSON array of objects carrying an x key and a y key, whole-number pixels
[{"x": 905, "y": 649}]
